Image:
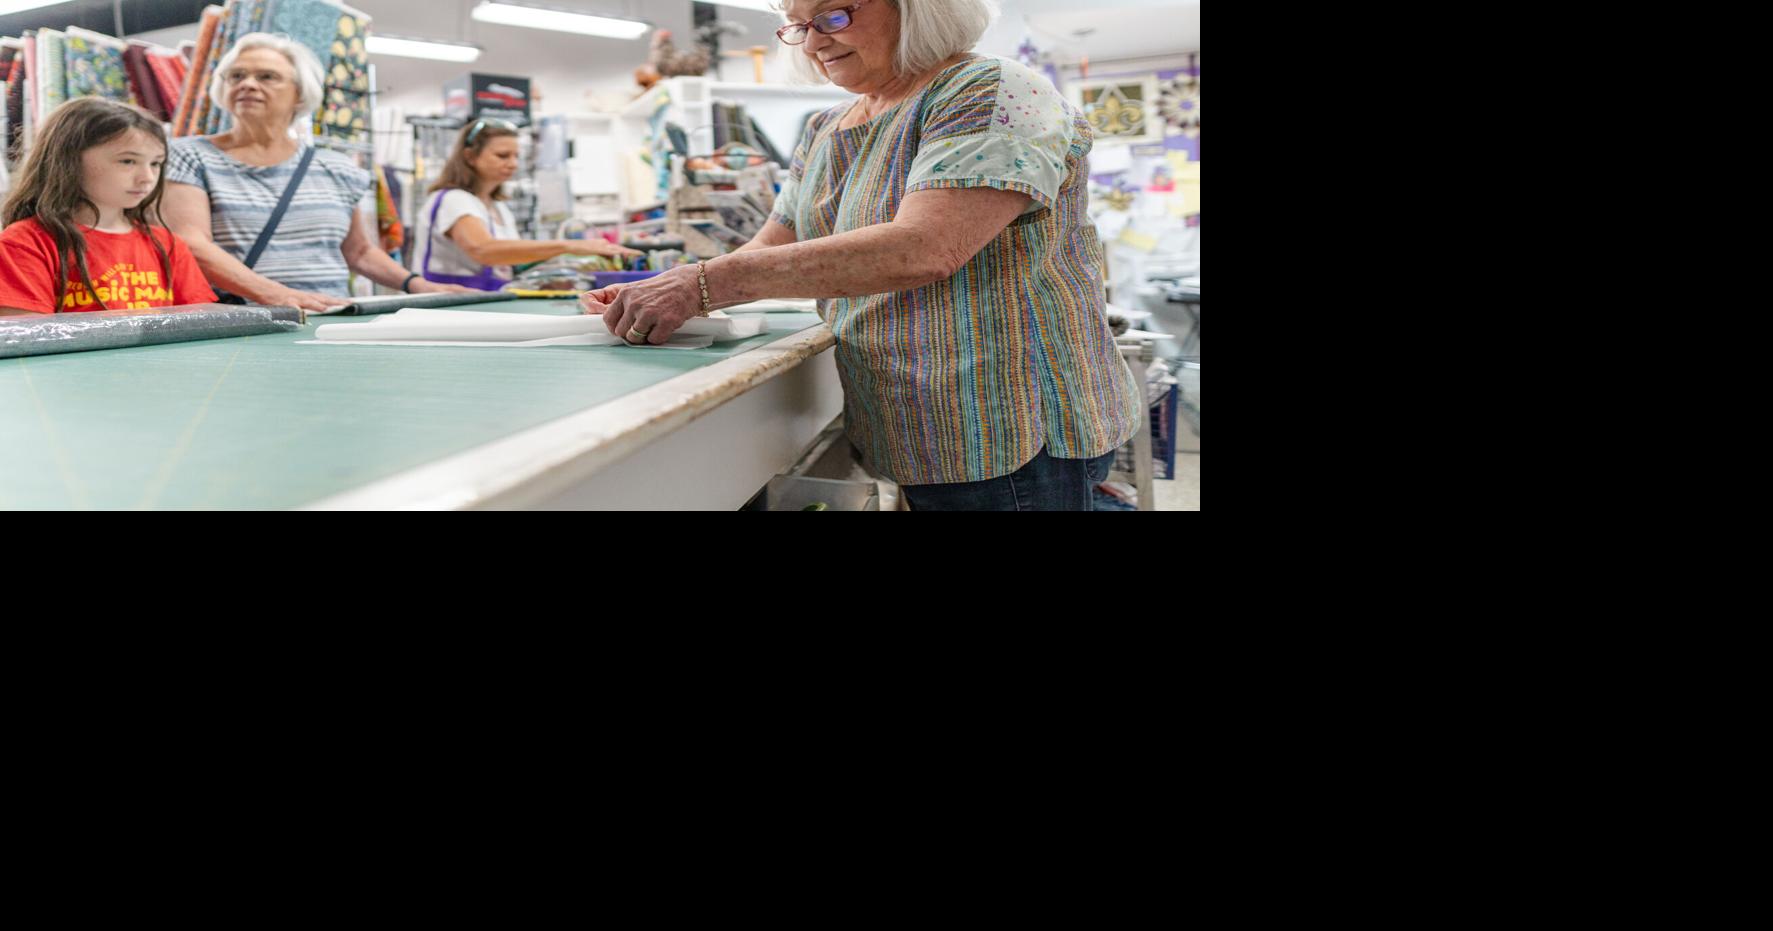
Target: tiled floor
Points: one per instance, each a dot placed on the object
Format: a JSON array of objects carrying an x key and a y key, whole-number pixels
[{"x": 1183, "y": 492}]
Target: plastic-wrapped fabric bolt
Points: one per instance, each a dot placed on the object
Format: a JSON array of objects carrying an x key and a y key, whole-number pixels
[
  {"x": 118, "y": 329},
  {"x": 394, "y": 303}
]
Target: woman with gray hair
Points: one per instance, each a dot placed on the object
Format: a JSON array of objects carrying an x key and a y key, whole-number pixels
[
  {"x": 942, "y": 220},
  {"x": 225, "y": 193}
]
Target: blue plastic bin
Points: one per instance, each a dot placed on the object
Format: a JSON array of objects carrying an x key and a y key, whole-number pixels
[{"x": 605, "y": 279}]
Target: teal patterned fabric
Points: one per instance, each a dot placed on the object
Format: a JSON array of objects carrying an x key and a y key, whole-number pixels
[
  {"x": 52, "y": 83},
  {"x": 95, "y": 65}
]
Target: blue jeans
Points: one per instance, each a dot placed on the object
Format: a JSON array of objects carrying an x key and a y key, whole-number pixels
[{"x": 1044, "y": 484}]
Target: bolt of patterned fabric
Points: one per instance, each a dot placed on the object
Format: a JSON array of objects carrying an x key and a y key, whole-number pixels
[{"x": 46, "y": 334}]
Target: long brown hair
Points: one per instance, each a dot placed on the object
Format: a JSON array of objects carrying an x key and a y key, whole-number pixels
[
  {"x": 457, "y": 173},
  {"x": 48, "y": 186}
]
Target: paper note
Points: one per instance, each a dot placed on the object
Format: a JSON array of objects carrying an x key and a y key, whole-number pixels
[
  {"x": 1144, "y": 242},
  {"x": 1187, "y": 197},
  {"x": 1109, "y": 159}
]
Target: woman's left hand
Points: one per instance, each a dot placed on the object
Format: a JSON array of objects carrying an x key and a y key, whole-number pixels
[
  {"x": 421, "y": 286},
  {"x": 650, "y": 310},
  {"x": 601, "y": 247}
]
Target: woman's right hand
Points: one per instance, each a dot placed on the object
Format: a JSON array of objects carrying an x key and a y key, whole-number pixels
[
  {"x": 599, "y": 247},
  {"x": 594, "y": 302},
  {"x": 306, "y": 300}
]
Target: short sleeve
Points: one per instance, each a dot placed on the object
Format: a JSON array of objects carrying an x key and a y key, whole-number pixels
[
  {"x": 28, "y": 269},
  {"x": 456, "y": 204},
  {"x": 184, "y": 165},
  {"x": 787, "y": 200},
  {"x": 350, "y": 184},
  {"x": 188, "y": 284},
  {"x": 998, "y": 125}
]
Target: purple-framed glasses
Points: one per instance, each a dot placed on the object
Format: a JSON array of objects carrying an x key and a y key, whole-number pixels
[{"x": 827, "y": 23}]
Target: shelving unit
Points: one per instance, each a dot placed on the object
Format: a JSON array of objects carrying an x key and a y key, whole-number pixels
[
  {"x": 610, "y": 179},
  {"x": 779, "y": 110}
]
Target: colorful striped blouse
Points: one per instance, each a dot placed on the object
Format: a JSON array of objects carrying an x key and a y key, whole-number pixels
[{"x": 967, "y": 379}]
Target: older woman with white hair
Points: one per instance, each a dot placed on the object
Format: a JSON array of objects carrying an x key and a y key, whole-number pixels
[
  {"x": 225, "y": 194},
  {"x": 941, "y": 219}
]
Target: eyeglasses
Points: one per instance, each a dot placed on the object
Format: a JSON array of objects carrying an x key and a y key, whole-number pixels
[
  {"x": 827, "y": 23},
  {"x": 483, "y": 124},
  {"x": 265, "y": 78}
]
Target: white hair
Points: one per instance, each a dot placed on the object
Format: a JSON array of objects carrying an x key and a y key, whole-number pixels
[
  {"x": 930, "y": 32},
  {"x": 309, "y": 74}
]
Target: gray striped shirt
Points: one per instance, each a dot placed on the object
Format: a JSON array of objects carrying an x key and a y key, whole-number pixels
[{"x": 304, "y": 252}]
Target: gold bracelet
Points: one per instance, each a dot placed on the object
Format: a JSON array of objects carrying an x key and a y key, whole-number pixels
[{"x": 702, "y": 278}]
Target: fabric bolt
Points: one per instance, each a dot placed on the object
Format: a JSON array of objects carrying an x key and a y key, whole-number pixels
[
  {"x": 393, "y": 303},
  {"x": 203, "y": 108},
  {"x": 95, "y": 66},
  {"x": 142, "y": 85},
  {"x": 15, "y": 103},
  {"x": 313, "y": 23},
  {"x": 52, "y": 72},
  {"x": 168, "y": 76},
  {"x": 467, "y": 327},
  {"x": 28, "y": 85},
  {"x": 346, "y": 112},
  {"x": 388, "y": 225},
  {"x": 123, "y": 329},
  {"x": 197, "y": 70}
]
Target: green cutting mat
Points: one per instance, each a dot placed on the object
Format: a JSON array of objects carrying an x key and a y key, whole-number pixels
[{"x": 260, "y": 422}]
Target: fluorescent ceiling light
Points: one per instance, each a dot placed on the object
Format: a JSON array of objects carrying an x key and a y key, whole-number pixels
[
  {"x": 510, "y": 14},
  {"x": 422, "y": 48},
  {"x": 762, "y": 6},
  {"x": 19, "y": 6}
]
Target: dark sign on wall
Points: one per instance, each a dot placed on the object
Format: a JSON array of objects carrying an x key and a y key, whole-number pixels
[{"x": 473, "y": 96}]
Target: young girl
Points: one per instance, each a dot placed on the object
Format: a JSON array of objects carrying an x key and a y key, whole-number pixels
[{"x": 78, "y": 231}]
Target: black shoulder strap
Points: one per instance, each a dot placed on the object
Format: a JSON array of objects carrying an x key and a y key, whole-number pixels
[{"x": 258, "y": 248}]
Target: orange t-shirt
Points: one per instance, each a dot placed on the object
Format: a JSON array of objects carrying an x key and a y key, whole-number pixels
[{"x": 124, "y": 266}]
